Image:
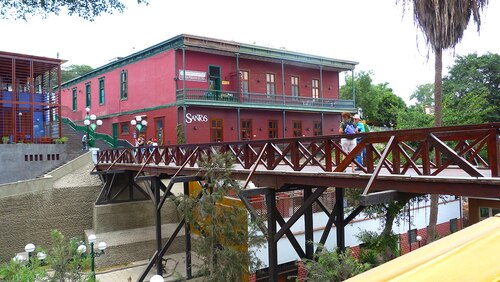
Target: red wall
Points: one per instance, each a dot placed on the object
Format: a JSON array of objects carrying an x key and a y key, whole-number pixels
[
  {"x": 259, "y": 119},
  {"x": 151, "y": 93}
]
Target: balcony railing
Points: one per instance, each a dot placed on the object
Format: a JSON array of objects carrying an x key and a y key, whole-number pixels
[{"x": 203, "y": 95}]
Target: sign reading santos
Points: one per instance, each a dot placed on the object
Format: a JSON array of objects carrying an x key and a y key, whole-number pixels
[{"x": 197, "y": 117}]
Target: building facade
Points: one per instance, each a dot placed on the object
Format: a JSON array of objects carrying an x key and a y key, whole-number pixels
[
  {"x": 195, "y": 89},
  {"x": 29, "y": 106}
]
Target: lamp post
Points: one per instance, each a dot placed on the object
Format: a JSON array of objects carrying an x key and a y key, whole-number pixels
[
  {"x": 139, "y": 124},
  {"x": 156, "y": 278},
  {"x": 419, "y": 238},
  {"x": 82, "y": 249},
  {"x": 91, "y": 122},
  {"x": 30, "y": 248}
]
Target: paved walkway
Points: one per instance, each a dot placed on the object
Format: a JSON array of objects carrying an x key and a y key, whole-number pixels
[{"x": 176, "y": 269}]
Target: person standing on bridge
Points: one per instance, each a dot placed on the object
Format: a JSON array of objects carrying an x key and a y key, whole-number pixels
[
  {"x": 360, "y": 128},
  {"x": 347, "y": 127}
]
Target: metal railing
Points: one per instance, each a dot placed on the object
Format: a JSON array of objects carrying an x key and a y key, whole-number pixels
[{"x": 204, "y": 95}]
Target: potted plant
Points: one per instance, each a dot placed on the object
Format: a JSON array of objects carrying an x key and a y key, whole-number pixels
[{"x": 5, "y": 139}]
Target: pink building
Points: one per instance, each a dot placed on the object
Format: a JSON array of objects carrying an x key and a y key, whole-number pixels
[{"x": 196, "y": 89}]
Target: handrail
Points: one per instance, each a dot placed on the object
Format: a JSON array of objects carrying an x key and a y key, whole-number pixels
[{"x": 414, "y": 151}]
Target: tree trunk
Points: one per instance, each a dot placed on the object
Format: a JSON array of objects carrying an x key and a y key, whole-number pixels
[{"x": 438, "y": 93}]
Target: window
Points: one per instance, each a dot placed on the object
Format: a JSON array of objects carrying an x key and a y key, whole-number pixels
[
  {"x": 244, "y": 82},
  {"x": 317, "y": 128},
  {"x": 271, "y": 87},
  {"x": 246, "y": 129},
  {"x": 216, "y": 130},
  {"x": 315, "y": 88},
  {"x": 412, "y": 236},
  {"x": 273, "y": 129},
  {"x": 88, "y": 95},
  {"x": 295, "y": 87},
  {"x": 101, "y": 90},
  {"x": 74, "y": 99},
  {"x": 124, "y": 85},
  {"x": 453, "y": 225},
  {"x": 125, "y": 129},
  {"x": 159, "y": 130},
  {"x": 297, "y": 128}
]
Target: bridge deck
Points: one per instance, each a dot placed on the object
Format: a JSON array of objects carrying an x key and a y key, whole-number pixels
[{"x": 458, "y": 160}]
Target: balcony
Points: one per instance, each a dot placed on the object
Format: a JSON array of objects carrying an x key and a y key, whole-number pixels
[{"x": 259, "y": 100}]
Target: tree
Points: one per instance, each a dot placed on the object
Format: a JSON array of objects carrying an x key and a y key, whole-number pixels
[
  {"x": 87, "y": 9},
  {"x": 443, "y": 24},
  {"x": 63, "y": 259},
  {"x": 424, "y": 94},
  {"x": 414, "y": 117},
  {"x": 472, "y": 90},
  {"x": 333, "y": 266},
  {"x": 380, "y": 105},
  {"x": 226, "y": 245},
  {"x": 74, "y": 71}
]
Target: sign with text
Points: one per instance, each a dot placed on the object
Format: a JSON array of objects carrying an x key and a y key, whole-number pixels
[
  {"x": 196, "y": 117},
  {"x": 189, "y": 75}
]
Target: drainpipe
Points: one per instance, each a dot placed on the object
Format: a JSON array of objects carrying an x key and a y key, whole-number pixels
[
  {"x": 322, "y": 123},
  {"x": 238, "y": 77},
  {"x": 184, "y": 110},
  {"x": 283, "y": 81},
  {"x": 321, "y": 82},
  {"x": 284, "y": 124},
  {"x": 238, "y": 124}
]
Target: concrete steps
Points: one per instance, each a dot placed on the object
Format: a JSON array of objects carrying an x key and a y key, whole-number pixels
[
  {"x": 129, "y": 230},
  {"x": 126, "y": 246}
]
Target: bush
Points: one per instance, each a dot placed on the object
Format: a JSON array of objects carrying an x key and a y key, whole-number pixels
[{"x": 333, "y": 266}]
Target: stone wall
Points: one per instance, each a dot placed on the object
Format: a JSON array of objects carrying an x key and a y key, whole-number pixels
[
  {"x": 30, "y": 217},
  {"x": 27, "y": 161}
]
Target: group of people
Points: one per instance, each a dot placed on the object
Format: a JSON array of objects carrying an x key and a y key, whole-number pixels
[
  {"x": 141, "y": 142},
  {"x": 351, "y": 125}
]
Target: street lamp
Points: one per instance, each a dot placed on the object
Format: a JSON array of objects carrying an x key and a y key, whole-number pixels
[
  {"x": 157, "y": 278},
  {"x": 91, "y": 122},
  {"x": 82, "y": 249},
  {"x": 139, "y": 124},
  {"x": 419, "y": 238},
  {"x": 30, "y": 248}
]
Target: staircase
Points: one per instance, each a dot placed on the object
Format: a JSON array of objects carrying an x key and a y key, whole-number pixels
[{"x": 74, "y": 143}]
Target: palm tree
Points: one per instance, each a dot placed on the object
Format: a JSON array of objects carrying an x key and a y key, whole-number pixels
[{"x": 443, "y": 23}]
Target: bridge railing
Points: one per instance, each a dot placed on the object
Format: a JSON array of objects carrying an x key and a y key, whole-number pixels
[{"x": 472, "y": 149}]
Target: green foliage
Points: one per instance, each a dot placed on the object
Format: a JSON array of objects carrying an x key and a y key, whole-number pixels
[
  {"x": 225, "y": 237},
  {"x": 63, "y": 261},
  {"x": 74, "y": 71},
  {"x": 21, "y": 271},
  {"x": 377, "y": 249},
  {"x": 424, "y": 94},
  {"x": 5, "y": 139},
  {"x": 472, "y": 90},
  {"x": 333, "y": 266},
  {"x": 414, "y": 117},
  {"x": 87, "y": 9},
  {"x": 380, "y": 105},
  {"x": 181, "y": 138}
]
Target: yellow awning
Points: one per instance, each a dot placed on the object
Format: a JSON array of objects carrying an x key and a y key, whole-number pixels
[{"x": 472, "y": 254}]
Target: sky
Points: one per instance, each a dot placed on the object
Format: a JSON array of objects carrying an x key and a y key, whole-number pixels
[{"x": 377, "y": 34}]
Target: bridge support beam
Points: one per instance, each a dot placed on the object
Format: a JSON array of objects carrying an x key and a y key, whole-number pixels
[
  {"x": 272, "y": 245},
  {"x": 339, "y": 218}
]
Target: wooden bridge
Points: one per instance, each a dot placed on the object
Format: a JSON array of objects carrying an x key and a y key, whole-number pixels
[{"x": 455, "y": 160}]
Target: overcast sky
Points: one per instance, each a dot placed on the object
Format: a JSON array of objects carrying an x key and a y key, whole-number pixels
[{"x": 373, "y": 33}]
